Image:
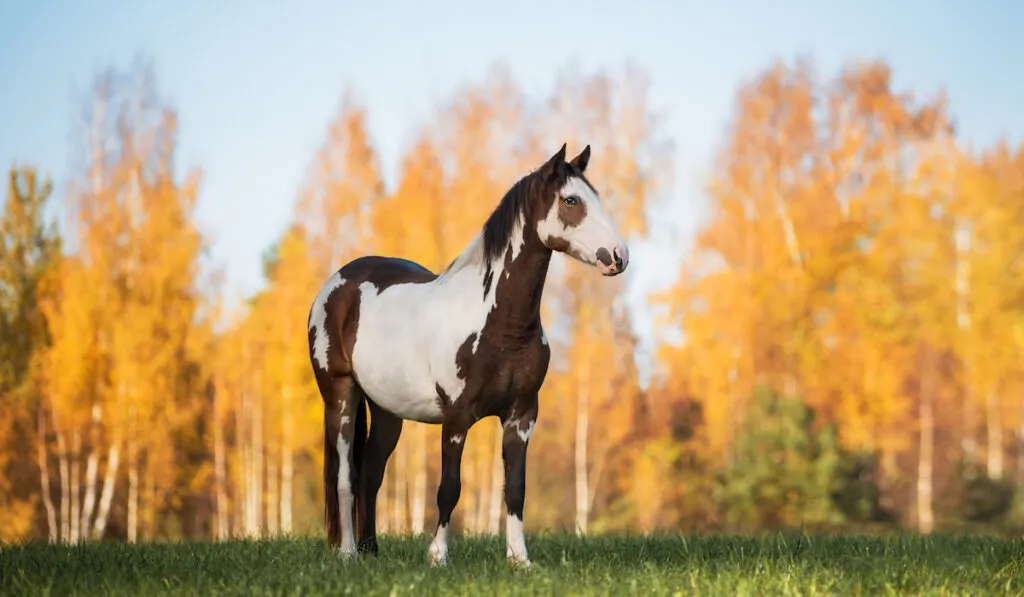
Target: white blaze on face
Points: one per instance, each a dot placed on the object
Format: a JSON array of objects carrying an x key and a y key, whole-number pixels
[{"x": 595, "y": 231}]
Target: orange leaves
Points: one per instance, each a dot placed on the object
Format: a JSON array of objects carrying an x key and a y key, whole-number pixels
[
  {"x": 814, "y": 204},
  {"x": 342, "y": 184}
]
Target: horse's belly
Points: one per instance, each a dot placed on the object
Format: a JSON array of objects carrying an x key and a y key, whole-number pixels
[{"x": 395, "y": 374}]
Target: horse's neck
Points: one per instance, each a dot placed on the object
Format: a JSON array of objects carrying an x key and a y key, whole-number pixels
[{"x": 516, "y": 287}]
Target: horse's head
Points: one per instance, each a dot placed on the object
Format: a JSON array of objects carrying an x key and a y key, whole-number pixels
[{"x": 571, "y": 219}]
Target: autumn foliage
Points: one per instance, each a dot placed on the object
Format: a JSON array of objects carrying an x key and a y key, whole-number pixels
[{"x": 848, "y": 322}]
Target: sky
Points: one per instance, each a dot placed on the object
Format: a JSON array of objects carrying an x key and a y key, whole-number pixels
[{"x": 256, "y": 82}]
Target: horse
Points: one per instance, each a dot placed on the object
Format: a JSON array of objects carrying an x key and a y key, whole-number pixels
[{"x": 388, "y": 336}]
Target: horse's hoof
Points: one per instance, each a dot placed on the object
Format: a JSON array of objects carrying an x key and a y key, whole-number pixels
[
  {"x": 369, "y": 547},
  {"x": 437, "y": 558},
  {"x": 520, "y": 562}
]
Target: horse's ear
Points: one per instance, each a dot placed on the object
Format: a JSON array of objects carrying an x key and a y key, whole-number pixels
[
  {"x": 582, "y": 159},
  {"x": 550, "y": 167}
]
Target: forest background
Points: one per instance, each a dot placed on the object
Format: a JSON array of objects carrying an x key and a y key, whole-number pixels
[{"x": 838, "y": 349}]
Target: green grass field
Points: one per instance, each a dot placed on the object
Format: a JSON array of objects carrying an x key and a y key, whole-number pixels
[{"x": 563, "y": 565}]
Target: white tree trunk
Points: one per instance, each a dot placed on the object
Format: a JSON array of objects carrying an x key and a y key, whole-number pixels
[
  {"x": 287, "y": 474},
  {"x": 107, "y": 494},
  {"x": 91, "y": 472},
  {"x": 994, "y": 424},
  {"x": 65, "y": 486},
  {"x": 401, "y": 503},
  {"x": 287, "y": 465},
  {"x": 44, "y": 477},
  {"x": 962, "y": 241},
  {"x": 220, "y": 483},
  {"x": 925, "y": 516},
  {"x": 76, "y": 484},
  {"x": 419, "y": 481},
  {"x": 273, "y": 497},
  {"x": 497, "y": 483},
  {"x": 582, "y": 424},
  {"x": 132, "y": 531}
]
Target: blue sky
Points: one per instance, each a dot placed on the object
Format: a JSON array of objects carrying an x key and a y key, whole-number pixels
[{"x": 256, "y": 82}]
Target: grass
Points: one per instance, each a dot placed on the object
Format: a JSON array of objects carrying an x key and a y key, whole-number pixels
[{"x": 562, "y": 565}]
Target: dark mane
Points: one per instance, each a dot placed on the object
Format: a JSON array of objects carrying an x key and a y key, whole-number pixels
[{"x": 503, "y": 220}]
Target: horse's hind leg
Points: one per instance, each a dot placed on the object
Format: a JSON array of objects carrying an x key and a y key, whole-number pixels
[
  {"x": 385, "y": 429},
  {"x": 342, "y": 401}
]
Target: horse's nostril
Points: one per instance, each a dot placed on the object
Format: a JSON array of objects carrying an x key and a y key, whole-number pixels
[
  {"x": 605, "y": 257},
  {"x": 618, "y": 260}
]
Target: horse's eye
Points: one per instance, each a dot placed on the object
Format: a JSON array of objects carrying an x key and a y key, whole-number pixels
[{"x": 571, "y": 200}]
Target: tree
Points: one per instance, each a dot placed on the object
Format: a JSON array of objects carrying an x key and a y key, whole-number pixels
[{"x": 29, "y": 249}]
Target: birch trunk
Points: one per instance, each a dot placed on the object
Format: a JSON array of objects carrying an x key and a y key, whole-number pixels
[
  {"x": 925, "y": 516},
  {"x": 251, "y": 501},
  {"x": 107, "y": 495},
  {"x": 497, "y": 483},
  {"x": 219, "y": 468},
  {"x": 483, "y": 485},
  {"x": 258, "y": 458},
  {"x": 243, "y": 419},
  {"x": 419, "y": 481},
  {"x": 65, "y": 486},
  {"x": 582, "y": 424},
  {"x": 132, "y": 531},
  {"x": 1020, "y": 445},
  {"x": 148, "y": 503},
  {"x": 962, "y": 241},
  {"x": 273, "y": 497},
  {"x": 401, "y": 489},
  {"x": 91, "y": 472},
  {"x": 286, "y": 460},
  {"x": 994, "y": 427},
  {"x": 76, "y": 483},
  {"x": 44, "y": 477}
]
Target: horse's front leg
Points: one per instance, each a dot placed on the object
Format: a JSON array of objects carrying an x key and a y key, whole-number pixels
[
  {"x": 453, "y": 440},
  {"x": 515, "y": 439}
]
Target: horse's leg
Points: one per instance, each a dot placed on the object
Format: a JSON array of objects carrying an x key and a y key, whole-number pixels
[
  {"x": 515, "y": 440},
  {"x": 340, "y": 407},
  {"x": 385, "y": 429},
  {"x": 453, "y": 440}
]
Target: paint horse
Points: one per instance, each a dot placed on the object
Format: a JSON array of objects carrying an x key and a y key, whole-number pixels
[{"x": 388, "y": 335}]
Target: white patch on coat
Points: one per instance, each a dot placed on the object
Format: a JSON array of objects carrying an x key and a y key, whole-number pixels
[
  {"x": 524, "y": 434},
  {"x": 456, "y": 439},
  {"x": 409, "y": 334},
  {"x": 318, "y": 319},
  {"x": 515, "y": 541},
  {"x": 596, "y": 231},
  {"x": 348, "y": 542},
  {"x": 438, "y": 550}
]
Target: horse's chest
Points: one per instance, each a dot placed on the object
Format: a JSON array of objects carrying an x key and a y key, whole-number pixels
[{"x": 505, "y": 373}]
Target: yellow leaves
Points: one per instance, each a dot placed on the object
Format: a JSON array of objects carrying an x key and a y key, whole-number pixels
[
  {"x": 829, "y": 266},
  {"x": 342, "y": 185}
]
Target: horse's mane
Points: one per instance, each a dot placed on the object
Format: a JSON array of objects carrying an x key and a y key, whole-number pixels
[
  {"x": 498, "y": 229},
  {"x": 506, "y": 217}
]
